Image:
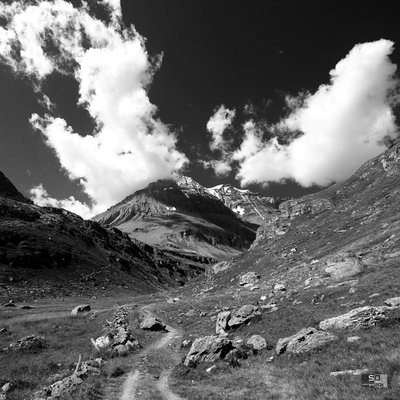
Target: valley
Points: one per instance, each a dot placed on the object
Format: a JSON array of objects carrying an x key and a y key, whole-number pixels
[{"x": 191, "y": 257}]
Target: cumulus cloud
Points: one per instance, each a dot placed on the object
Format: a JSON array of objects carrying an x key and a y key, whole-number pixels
[
  {"x": 341, "y": 125},
  {"x": 130, "y": 146},
  {"x": 217, "y": 125}
]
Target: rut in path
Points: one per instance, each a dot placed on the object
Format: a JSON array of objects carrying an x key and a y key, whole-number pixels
[{"x": 144, "y": 384}]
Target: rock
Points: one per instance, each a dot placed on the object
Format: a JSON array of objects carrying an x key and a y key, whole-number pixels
[
  {"x": 6, "y": 387},
  {"x": 28, "y": 342},
  {"x": 269, "y": 307},
  {"x": 103, "y": 342},
  {"x": 244, "y": 314},
  {"x": 342, "y": 266},
  {"x": 121, "y": 350},
  {"x": 9, "y": 305},
  {"x": 257, "y": 342},
  {"x": 153, "y": 324},
  {"x": 208, "y": 348},
  {"x": 378, "y": 294},
  {"x": 304, "y": 340},
  {"x": 26, "y": 307},
  {"x": 352, "y": 339},
  {"x": 250, "y": 278},
  {"x": 80, "y": 309},
  {"x": 280, "y": 286},
  {"x": 354, "y": 372},
  {"x": 3, "y": 330},
  {"x": 64, "y": 386},
  {"x": 393, "y": 302},
  {"x": 222, "y": 322},
  {"x": 360, "y": 317},
  {"x": 186, "y": 343}
]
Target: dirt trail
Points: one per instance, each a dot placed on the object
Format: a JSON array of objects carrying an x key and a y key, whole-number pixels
[{"x": 149, "y": 380}]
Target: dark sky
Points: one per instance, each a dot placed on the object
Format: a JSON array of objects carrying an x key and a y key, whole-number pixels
[{"x": 214, "y": 52}]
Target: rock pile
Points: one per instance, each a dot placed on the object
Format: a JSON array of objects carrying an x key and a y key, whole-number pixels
[{"x": 27, "y": 343}]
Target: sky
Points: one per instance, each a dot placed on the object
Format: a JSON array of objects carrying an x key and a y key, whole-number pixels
[{"x": 100, "y": 98}]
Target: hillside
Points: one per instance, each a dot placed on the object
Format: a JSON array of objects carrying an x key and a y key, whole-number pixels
[{"x": 46, "y": 252}]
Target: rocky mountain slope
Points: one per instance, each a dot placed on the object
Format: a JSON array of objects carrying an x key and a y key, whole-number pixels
[
  {"x": 217, "y": 222},
  {"x": 322, "y": 244},
  {"x": 46, "y": 251}
]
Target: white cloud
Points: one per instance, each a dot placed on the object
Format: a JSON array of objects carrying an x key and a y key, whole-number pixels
[
  {"x": 130, "y": 146},
  {"x": 216, "y": 125},
  {"x": 343, "y": 124}
]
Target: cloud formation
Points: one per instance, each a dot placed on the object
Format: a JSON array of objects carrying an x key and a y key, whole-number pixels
[
  {"x": 327, "y": 135},
  {"x": 130, "y": 147},
  {"x": 217, "y": 125}
]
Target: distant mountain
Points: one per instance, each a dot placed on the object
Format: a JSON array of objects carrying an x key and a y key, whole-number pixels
[
  {"x": 46, "y": 251},
  {"x": 183, "y": 215}
]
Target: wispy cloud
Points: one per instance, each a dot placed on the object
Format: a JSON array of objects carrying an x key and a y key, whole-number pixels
[
  {"x": 329, "y": 134},
  {"x": 130, "y": 145}
]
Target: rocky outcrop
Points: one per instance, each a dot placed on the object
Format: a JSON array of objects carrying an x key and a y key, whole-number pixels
[
  {"x": 304, "y": 205},
  {"x": 361, "y": 317},
  {"x": 208, "y": 348},
  {"x": 393, "y": 302},
  {"x": 222, "y": 322},
  {"x": 304, "y": 340},
  {"x": 244, "y": 314}
]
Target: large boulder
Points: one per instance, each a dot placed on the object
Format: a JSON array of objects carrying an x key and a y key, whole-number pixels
[
  {"x": 257, "y": 342},
  {"x": 244, "y": 314},
  {"x": 153, "y": 324},
  {"x": 208, "y": 348},
  {"x": 361, "y": 317},
  {"x": 222, "y": 322},
  {"x": 80, "y": 309},
  {"x": 304, "y": 340}
]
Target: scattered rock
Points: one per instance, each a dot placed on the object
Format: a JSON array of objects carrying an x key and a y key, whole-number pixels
[
  {"x": 80, "y": 309},
  {"x": 27, "y": 342},
  {"x": 208, "y": 348},
  {"x": 392, "y": 302},
  {"x": 304, "y": 340},
  {"x": 257, "y": 342},
  {"x": 355, "y": 372},
  {"x": 248, "y": 279},
  {"x": 352, "y": 339},
  {"x": 222, "y": 322},
  {"x": 361, "y": 317},
  {"x": 153, "y": 324},
  {"x": 244, "y": 314},
  {"x": 269, "y": 307}
]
